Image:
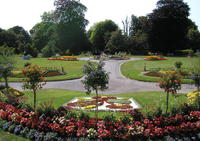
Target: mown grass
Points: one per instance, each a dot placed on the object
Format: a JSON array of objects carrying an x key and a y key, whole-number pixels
[
  {"x": 6, "y": 136},
  {"x": 73, "y": 69},
  {"x": 134, "y": 69},
  {"x": 148, "y": 100}
]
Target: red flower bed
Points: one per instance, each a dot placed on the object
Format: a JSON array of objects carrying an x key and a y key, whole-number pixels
[
  {"x": 124, "y": 106},
  {"x": 149, "y": 128},
  {"x": 64, "y": 59}
]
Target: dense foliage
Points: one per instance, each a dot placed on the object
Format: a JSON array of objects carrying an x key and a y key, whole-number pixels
[{"x": 167, "y": 30}]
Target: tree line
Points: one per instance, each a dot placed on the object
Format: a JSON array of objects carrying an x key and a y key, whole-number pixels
[{"x": 167, "y": 29}]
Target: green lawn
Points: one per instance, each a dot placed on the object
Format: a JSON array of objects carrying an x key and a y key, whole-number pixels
[
  {"x": 134, "y": 69},
  {"x": 146, "y": 99},
  {"x": 6, "y": 136},
  {"x": 72, "y": 68}
]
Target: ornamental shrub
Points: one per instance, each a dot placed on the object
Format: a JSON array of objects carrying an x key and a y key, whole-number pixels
[
  {"x": 178, "y": 65},
  {"x": 18, "y": 129},
  {"x": 31, "y": 134},
  {"x": 11, "y": 128},
  {"x": 125, "y": 119},
  {"x": 24, "y": 131},
  {"x": 70, "y": 115},
  {"x": 83, "y": 116},
  {"x": 6, "y": 125},
  {"x": 193, "y": 96},
  {"x": 50, "y": 136},
  {"x": 34, "y": 80},
  {"x": 2, "y": 122},
  {"x": 170, "y": 82},
  {"x": 109, "y": 118},
  {"x": 39, "y": 136}
]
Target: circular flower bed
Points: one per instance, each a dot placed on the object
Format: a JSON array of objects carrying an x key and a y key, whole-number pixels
[
  {"x": 154, "y": 58},
  {"x": 64, "y": 58}
]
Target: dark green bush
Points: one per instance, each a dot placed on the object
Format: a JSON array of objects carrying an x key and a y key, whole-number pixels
[
  {"x": 50, "y": 136},
  {"x": 11, "y": 128},
  {"x": 6, "y": 125},
  {"x": 83, "y": 116},
  {"x": 31, "y": 134},
  {"x": 24, "y": 132},
  {"x": 70, "y": 115},
  {"x": 125, "y": 119},
  {"x": 18, "y": 129},
  {"x": 2, "y": 122},
  {"x": 109, "y": 118}
]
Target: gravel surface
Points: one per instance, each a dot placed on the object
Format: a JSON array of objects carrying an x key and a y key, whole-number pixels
[{"x": 117, "y": 83}]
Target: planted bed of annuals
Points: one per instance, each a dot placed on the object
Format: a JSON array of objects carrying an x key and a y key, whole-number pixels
[
  {"x": 59, "y": 127},
  {"x": 154, "y": 58},
  {"x": 64, "y": 58}
]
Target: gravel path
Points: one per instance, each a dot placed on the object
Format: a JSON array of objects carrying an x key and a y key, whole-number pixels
[{"x": 117, "y": 82}]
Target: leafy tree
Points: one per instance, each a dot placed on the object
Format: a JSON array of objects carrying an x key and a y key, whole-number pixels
[
  {"x": 169, "y": 25},
  {"x": 34, "y": 80},
  {"x": 7, "y": 62},
  {"x": 170, "y": 83},
  {"x": 117, "y": 43},
  {"x": 8, "y": 39},
  {"x": 23, "y": 39},
  {"x": 70, "y": 17},
  {"x": 96, "y": 79},
  {"x": 137, "y": 38},
  {"x": 100, "y": 33},
  {"x": 193, "y": 36},
  {"x": 42, "y": 33},
  {"x": 50, "y": 49},
  {"x": 138, "y": 24}
]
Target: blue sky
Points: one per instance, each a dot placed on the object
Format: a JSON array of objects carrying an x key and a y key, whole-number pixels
[{"x": 26, "y": 13}]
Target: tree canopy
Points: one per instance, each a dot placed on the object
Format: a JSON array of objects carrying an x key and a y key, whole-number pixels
[
  {"x": 169, "y": 25},
  {"x": 100, "y": 33},
  {"x": 71, "y": 23}
]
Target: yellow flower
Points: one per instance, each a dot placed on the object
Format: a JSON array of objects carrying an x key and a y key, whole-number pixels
[
  {"x": 192, "y": 96},
  {"x": 89, "y": 107}
]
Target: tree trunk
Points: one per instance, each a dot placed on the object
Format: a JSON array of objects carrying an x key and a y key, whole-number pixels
[
  {"x": 97, "y": 99},
  {"x": 6, "y": 83},
  {"x": 167, "y": 102},
  {"x": 34, "y": 92}
]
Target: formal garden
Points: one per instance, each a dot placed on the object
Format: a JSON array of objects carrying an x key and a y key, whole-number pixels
[
  {"x": 61, "y": 82},
  {"x": 53, "y": 114}
]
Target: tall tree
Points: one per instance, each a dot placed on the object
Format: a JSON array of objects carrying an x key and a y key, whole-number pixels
[
  {"x": 100, "y": 34},
  {"x": 193, "y": 37},
  {"x": 117, "y": 43},
  {"x": 8, "y": 39},
  {"x": 41, "y": 34},
  {"x": 70, "y": 17},
  {"x": 126, "y": 26},
  {"x": 169, "y": 23},
  {"x": 23, "y": 39}
]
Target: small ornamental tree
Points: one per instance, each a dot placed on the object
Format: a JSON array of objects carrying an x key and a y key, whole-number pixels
[
  {"x": 34, "y": 80},
  {"x": 96, "y": 79},
  {"x": 7, "y": 61},
  {"x": 170, "y": 83}
]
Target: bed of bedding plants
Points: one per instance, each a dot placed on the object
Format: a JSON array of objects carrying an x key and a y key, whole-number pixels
[{"x": 61, "y": 124}]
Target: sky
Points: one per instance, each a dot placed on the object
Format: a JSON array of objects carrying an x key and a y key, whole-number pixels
[{"x": 26, "y": 13}]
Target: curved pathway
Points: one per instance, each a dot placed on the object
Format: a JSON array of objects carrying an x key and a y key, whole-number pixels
[{"x": 117, "y": 82}]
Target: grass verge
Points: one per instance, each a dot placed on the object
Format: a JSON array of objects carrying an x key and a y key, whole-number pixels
[
  {"x": 6, "y": 136},
  {"x": 148, "y": 100},
  {"x": 134, "y": 69},
  {"x": 73, "y": 69}
]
